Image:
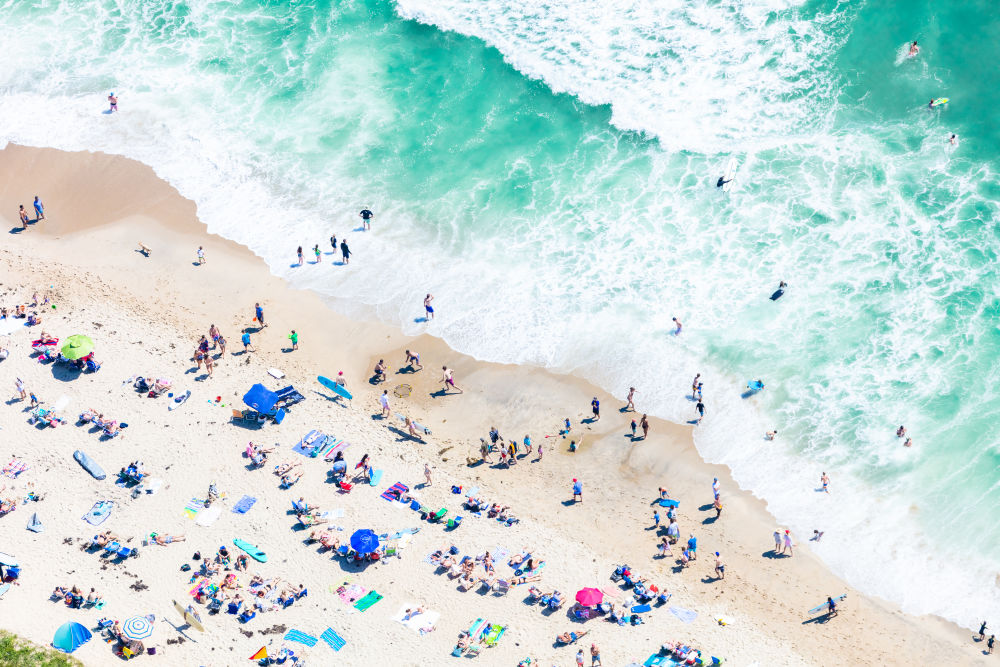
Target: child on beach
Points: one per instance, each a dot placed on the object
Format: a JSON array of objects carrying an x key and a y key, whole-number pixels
[
  {"x": 299, "y": 254},
  {"x": 319, "y": 255},
  {"x": 201, "y": 255},
  {"x": 294, "y": 337},
  {"x": 633, "y": 425}
]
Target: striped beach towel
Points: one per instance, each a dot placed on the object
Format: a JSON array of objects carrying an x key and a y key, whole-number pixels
[
  {"x": 14, "y": 468},
  {"x": 335, "y": 641},
  {"x": 340, "y": 446},
  {"x": 300, "y": 637},
  {"x": 193, "y": 506},
  {"x": 398, "y": 486}
]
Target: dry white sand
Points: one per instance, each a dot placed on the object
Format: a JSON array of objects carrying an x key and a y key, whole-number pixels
[{"x": 146, "y": 314}]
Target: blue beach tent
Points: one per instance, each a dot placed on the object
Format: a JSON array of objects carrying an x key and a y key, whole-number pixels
[
  {"x": 71, "y": 636},
  {"x": 261, "y": 399}
]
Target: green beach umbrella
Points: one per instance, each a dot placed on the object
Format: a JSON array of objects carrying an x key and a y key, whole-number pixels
[{"x": 77, "y": 347}]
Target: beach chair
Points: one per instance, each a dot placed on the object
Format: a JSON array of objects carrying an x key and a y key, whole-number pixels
[
  {"x": 234, "y": 608},
  {"x": 454, "y": 523},
  {"x": 473, "y": 651},
  {"x": 501, "y": 587},
  {"x": 466, "y": 583},
  {"x": 434, "y": 518},
  {"x": 288, "y": 397},
  {"x": 93, "y": 366},
  {"x": 125, "y": 552}
]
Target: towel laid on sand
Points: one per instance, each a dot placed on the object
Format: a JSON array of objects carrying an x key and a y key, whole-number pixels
[
  {"x": 244, "y": 504},
  {"x": 335, "y": 641},
  {"x": 416, "y": 622},
  {"x": 685, "y": 615},
  {"x": 300, "y": 637},
  {"x": 99, "y": 513}
]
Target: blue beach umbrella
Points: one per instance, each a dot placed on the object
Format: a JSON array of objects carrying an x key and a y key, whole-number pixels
[
  {"x": 364, "y": 541},
  {"x": 71, "y": 636},
  {"x": 137, "y": 627}
]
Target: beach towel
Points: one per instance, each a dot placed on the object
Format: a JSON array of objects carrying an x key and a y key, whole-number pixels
[
  {"x": 335, "y": 641},
  {"x": 420, "y": 622},
  {"x": 642, "y": 609},
  {"x": 352, "y": 593},
  {"x": 400, "y": 533},
  {"x": 300, "y": 637},
  {"x": 244, "y": 504},
  {"x": 14, "y": 468},
  {"x": 208, "y": 516},
  {"x": 399, "y": 487},
  {"x": 193, "y": 506},
  {"x": 99, "y": 512},
  {"x": 500, "y": 554},
  {"x": 309, "y": 442},
  {"x": 685, "y": 615},
  {"x": 366, "y": 603},
  {"x": 35, "y": 524},
  {"x": 340, "y": 446}
]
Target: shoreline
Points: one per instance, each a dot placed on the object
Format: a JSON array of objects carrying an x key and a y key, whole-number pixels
[{"x": 768, "y": 597}]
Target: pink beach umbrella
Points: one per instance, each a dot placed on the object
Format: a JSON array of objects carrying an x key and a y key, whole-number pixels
[{"x": 589, "y": 597}]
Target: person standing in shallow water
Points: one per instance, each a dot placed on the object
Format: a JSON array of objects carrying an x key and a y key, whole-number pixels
[
  {"x": 302, "y": 259},
  {"x": 345, "y": 251}
]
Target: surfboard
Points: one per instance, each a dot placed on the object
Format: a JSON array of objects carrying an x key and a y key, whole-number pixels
[
  {"x": 416, "y": 425},
  {"x": 251, "y": 550},
  {"x": 178, "y": 401},
  {"x": 334, "y": 387},
  {"x": 939, "y": 102},
  {"x": 826, "y": 605},
  {"x": 730, "y": 174},
  {"x": 376, "y": 477},
  {"x": 189, "y": 618},
  {"x": 89, "y": 464},
  {"x": 778, "y": 293},
  {"x": 7, "y": 560}
]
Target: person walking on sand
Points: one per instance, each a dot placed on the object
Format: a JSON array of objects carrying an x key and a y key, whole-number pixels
[
  {"x": 595, "y": 406},
  {"x": 428, "y": 308},
  {"x": 645, "y": 426},
  {"x": 700, "y": 407},
  {"x": 345, "y": 251},
  {"x": 24, "y": 217},
  {"x": 366, "y": 218},
  {"x": 539, "y": 457},
  {"x": 788, "y": 543},
  {"x": 427, "y": 473},
  {"x": 258, "y": 314},
  {"x": 302, "y": 259},
  {"x": 631, "y": 404},
  {"x": 39, "y": 209},
  {"x": 715, "y": 487},
  {"x": 656, "y": 520},
  {"x": 413, "y": 360},
  {"x": 595, "y": 656},
  {"x": 982, "y": 631},
  {"x": 294, "y": 337},
  {"x": 826, "y": 483},
  {"x": 579, "y": 658},
  {"x": 664, "y": 547},
  {"x": 319, "y": 254},
  {"x": 448, "y": 377},
  {"x": 577, "y": 490},
  {"x": 718, "y": 507},
  {"x": 989, "y": 645},
  {"x": 112, "y": 102},
  {"x": 201, "y": 255},
  {"x": 633, "y": 425},
  {"x": 245, "y": 339},
  {"x": 19, "y": 385},
  {"x": 384, "y": 400},
  {"x": 209, "y": 364},
  {"x": 777, "y": 542},
  {"x": 832, "y": 607},
  {"x": 720, "y": 567}
]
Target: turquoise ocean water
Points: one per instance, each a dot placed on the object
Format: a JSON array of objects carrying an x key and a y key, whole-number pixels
[{"x": 547, "y": 171}]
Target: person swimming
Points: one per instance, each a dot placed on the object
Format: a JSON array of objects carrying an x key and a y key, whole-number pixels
[
  {"x": 914, "y": 49},
  {"x": 953, "y": 140}
]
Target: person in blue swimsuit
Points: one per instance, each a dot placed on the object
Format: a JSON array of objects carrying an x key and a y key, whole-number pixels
[{"x": 428, "y": 307}]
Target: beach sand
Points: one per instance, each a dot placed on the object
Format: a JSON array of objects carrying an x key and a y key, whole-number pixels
[{"x": 146, "y": 314}]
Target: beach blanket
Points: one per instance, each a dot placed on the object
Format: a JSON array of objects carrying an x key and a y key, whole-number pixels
[
  {"x": 500, "y": 554},
  {"x": 99, "y": 513},
  {"x": 335, "y": 641},
  {"x": 300, "y": 637},
  {"x": 685, "y": 615},
  {"x": 341, "y": 445},
  {"x": 208, "y": 516},
  {"x": 193, "y": 506},
  {"x": 419, "y": 623},
  {"x": 309, "y": 443},
  {"x": 14, "y": 468},
  {"x": 244, "y": 504},
  {"x": 149, "y": 486},
  {"x": 352, "y": 593},
  {"x": 366, "y": 603},
  {"x": 399, "y": 487},
  {"x": 10, "y": 325}
]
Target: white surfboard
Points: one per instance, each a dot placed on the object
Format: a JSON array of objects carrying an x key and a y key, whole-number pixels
[
  {"x": 826, "y": 605},
  {"x": 730, "y": 174}
]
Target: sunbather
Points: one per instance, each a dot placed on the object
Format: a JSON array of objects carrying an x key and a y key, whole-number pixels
[
  {"x": 7, "y": 505},
  {"x": 289, "y": 479},
  {"x": 164, "y": 540},
  {"x": 517, "y": 581},
  {"x": 105, "y": 538},
  {"x": 570, "y": 637},
  {"x": 517, "y": 559},
  {"x": 284, "y": 468},
  {"x": 411, "y": 613},
  {"x": 88, "y": 416},
  {"x": 311, "y": 519}
]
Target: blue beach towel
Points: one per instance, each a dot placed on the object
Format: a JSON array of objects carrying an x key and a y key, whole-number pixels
[
  {"x": 685, "y": 615},
  {"x": 335, "y": 641},
  {"x": 309, "y": 443},
  {"x": 300, "y": 637},
  {"x": 244, "y": 504},
  {"x": 99, "y": 512}
]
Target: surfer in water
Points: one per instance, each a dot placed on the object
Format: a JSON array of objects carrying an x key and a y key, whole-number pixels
[
  {"x": 914, "y": 49},
  {"x": 953, "y": 140},
  {"x": 722, "y": 181}
]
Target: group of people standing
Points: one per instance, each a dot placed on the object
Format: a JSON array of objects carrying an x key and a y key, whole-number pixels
[{"x": 345, "y": 251}]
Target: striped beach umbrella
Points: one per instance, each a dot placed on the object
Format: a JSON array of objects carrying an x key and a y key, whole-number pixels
[{"x": 137, "y": 627}]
